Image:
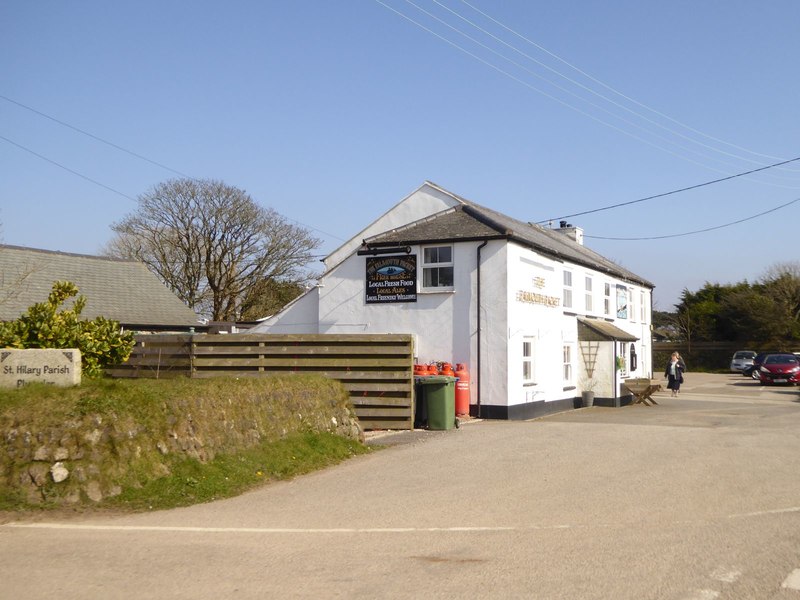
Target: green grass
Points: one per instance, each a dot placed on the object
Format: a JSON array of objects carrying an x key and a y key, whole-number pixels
[
  {"x": 151, "y": 408},
  {"x": 192, "y": 482}
]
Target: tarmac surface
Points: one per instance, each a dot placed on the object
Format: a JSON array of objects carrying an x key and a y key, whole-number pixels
[{"x": 696, "y": 498}]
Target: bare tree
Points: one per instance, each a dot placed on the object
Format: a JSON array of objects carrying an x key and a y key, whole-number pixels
[{"x": 211, "y": 244}]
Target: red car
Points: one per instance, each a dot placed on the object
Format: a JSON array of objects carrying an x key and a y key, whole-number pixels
[{"x": 779, "y": 368}]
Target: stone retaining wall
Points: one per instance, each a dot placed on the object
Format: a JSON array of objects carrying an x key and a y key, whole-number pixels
[{"x": 94, "y": 455}]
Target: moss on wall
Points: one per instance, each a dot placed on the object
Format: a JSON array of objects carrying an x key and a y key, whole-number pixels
[{"x": 91, "y": 441}]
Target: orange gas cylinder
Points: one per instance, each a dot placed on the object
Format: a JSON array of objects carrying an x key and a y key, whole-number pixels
[
  {"x": 462, "y": 389},
  {"x": 447, "y": 369},
  {"x": 433, "y": 369},
  {"x": 420, "y": 370}
]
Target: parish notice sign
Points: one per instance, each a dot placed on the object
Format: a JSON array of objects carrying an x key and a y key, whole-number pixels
[
  {"x": 53, "y": 367},
  {"x": 391, "y": 279}
]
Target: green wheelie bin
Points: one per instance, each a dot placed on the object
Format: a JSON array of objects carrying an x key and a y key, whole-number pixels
[{"x": 439, "y": 395}]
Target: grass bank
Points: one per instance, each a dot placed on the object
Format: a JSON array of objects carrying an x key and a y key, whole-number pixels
[{"x": 145, "y": 444}]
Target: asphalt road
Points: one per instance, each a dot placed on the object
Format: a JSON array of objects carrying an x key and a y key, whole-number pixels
[{"x": 697, "y": 498}]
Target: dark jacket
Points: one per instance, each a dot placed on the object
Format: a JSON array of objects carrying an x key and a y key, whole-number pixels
[{"x": 679, "y": 370}]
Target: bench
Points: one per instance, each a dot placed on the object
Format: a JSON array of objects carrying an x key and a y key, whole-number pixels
[{"x": 642, "y": 390}]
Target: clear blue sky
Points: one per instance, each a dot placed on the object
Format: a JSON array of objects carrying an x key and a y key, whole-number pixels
[{"x": 331, "y": 112}]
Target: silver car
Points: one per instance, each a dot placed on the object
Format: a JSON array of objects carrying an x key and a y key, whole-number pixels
[{"x": 741, "y": 360}]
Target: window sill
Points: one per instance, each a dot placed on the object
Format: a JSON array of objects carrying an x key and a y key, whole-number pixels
[
  {"x": 569, "y": 388},
  {"x": 437, "y": 291},
  {"x": 529, "y": 384}
]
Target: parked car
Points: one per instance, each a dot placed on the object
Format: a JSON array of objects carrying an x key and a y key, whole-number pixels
[
  {"x": 742, "y": 359},
  {"x": 752, "y": 370},
  {"x": 779, "y": 368}
]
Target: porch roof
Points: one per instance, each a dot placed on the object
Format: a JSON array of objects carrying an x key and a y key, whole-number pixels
[{"x": 595, "y": 330}]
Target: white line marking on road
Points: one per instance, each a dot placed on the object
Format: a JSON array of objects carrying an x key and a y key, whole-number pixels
[
  {"x": 86, "y": 527},
  {"x": 792, "y": 582},
  {"x": 703, "y": 595},
  {"x": 726, "y": 576},
  {"x": 475, "y": 529}
]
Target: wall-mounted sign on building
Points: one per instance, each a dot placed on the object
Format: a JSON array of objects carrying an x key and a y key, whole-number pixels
[{"x": 391, "y": 279}]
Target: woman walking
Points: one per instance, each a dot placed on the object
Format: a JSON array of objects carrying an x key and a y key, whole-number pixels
[{"x": 674, "y": 373}]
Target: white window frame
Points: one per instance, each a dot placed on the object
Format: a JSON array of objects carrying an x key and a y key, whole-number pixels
[
  {"x": 588, "y": 288},
  {"x": 607, "y": 299},
  {"x": 528, "y": 361},
  {"x": 632, "y": 305},
  {"x": 567, "y": 299},
  {"x": 567, "y": 363},
  {"x": 438, "y": 264},
  {"x": 642, "y": 308}
]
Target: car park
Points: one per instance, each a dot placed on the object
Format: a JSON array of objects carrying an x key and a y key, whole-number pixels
[
  {"x": 779, "y": 368},
  {"x": 741, "y": 360}
]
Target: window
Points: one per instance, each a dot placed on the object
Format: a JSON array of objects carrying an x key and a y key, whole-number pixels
[
  {"x": 567, "y": 364},
  {"x": 527, "y": 360},
  {"x": 607, "y": 299},
  {"x": 642, "y": 307},
  {"x": 588, "y": 294},
  {"x": 437, "y": 268},
  {"x": 632, "y": 303},
  {"x": 567, "y": 289}
]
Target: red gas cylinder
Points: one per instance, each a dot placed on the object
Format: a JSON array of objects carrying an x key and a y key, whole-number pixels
[
  {"x": 462, "y": 389},
  {"x": 433, "y": 369},
  {"x": 447, "y": 369}
]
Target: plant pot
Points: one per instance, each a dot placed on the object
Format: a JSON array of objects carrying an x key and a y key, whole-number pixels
[{"x": 587, "y": 399}]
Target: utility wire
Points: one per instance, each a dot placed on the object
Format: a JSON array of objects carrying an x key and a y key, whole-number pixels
[
  {"x": 81, "y": 175},
  {"x": 542, "y": 92},
  {"x": 685, "y": 189},
  {"x": 610, "y": 88},
  {"x": 118, "y": 147},
  {"x": 580, "y": 85},
  {"x": 577, "y": 96},
  {"x": 674, "y": 235},
  {"x": 555, "y": 98},
  {"x": 95, "y": 137}
]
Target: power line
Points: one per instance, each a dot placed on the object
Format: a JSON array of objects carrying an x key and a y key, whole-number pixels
[
  {"x": 81, "y": 175},
  {"x": 685, "y": 189},
  {"x": 95, "y": 137},
  {"x": 118, "y": 147},
  {"x": 575, "y": 95},
  {"x": 707, "y": 229},
  {"x": 554, "y": 98},
  {"x": 612, "y": 89},
  {"x": 579, "y": 84},
  {"x": 542, "y": 92}
]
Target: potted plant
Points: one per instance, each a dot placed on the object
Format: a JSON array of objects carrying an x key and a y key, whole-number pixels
[{"x": 587, "y": 391}]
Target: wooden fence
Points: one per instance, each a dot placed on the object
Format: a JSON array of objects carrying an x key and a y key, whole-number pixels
[{"x": 377, "y": 370}]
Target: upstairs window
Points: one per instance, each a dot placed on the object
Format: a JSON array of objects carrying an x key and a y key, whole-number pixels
[
  {"x": 589, "y": 307},
  {"x": 437, "y": 268},
  {"x": 567, "y": 289},
  {"x": 607, "y": 300}
]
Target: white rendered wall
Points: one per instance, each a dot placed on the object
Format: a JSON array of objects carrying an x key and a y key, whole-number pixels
[
  {"x": 425, "y": 201},
  {"x": 531, "y": 316},
  {"x": 301, "y": 316},
  {"x": 534, "y": 285}
]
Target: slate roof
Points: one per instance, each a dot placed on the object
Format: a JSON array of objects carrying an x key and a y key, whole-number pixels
[
  {"x": 123, "y": 290},
  {"x": 470, "y": 221}
]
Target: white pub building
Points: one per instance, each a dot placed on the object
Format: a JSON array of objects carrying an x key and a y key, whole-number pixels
[{"x": 536, "y": 316}]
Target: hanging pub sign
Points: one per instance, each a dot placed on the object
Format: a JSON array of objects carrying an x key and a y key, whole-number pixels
[{"x": 391, "y": 279}]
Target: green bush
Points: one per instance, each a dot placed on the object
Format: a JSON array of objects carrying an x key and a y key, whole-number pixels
[{"x": 43, "y": 325}]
